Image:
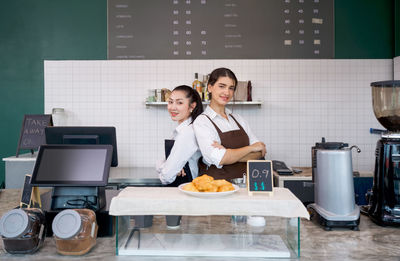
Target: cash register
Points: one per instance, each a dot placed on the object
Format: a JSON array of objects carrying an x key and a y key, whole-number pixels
[{"x": 77, "y": 174}]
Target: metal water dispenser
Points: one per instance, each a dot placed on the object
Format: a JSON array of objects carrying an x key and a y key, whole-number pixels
[{"x": 334, "y": 186}]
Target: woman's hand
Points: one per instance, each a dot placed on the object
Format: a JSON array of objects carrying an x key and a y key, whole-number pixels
[
  {"x": 251, "y": 156},
  {"x": 259, "y": 146},
  {"x": 256, "y": 150},
  {"x": 182, "y": 173},
  {"x": 217, "y": 145}
]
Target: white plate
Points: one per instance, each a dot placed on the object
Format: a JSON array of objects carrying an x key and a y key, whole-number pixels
[{"x": 207, "y": 194}]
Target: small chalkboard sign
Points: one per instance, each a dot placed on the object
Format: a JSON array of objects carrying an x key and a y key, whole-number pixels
[
  {"x": 32, "y": 131},
  {"x": 26, "y": 192},
  {"x": 30, "y": 197},
  {"x": 259, "y": 176}
]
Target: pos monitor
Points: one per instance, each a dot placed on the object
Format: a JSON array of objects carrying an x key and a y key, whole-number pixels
[
  {"x": 83, "y": 135},
  {"x": 78, "y": 174},
  {"x": 72, "y": 165}
]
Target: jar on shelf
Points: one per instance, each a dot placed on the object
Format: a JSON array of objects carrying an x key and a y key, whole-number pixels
[
  {"x": 151, "y": 97},
  {"x": 158, "y": 95},
  {"x": 59, "y": 117},
  {"x": 75, "y": 231},
  {"x": 23, "y": 230}
]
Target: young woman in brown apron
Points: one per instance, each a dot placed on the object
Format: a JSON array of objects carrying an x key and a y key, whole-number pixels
[{"x": 225, "y": 140}]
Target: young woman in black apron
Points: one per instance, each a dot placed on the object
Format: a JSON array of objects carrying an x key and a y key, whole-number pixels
[
  {"x": 182, "y": 151},
  {"x": 225, "y": 140}
]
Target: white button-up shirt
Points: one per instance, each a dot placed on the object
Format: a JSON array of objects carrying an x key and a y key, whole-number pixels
[
  {"x": 185, "y": 149},
  {"x": 206, "y": 134}
]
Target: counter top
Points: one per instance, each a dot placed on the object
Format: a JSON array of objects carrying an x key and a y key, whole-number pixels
[
  {"x": 133, "y": 176},
  {"x": 22, "y": 157},
  {"x": 306, "y": 172},
  {"x": 372, "y": 242},
  {"x": 172, "y": 201}
]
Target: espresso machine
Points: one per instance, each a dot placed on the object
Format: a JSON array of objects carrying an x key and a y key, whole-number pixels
[
  {"x": 332, "y": 173},
  {"x": 384, "y": 202}
]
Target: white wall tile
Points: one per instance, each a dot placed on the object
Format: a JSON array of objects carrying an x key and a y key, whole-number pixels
[
  {"x": 396, "y": 69},
  {"x": 303, "y": 100}
]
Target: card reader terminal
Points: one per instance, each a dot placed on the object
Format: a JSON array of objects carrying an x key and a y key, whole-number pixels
[{"x": 281, "y": 168}]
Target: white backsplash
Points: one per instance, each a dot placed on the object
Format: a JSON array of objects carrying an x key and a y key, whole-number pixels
[
  {"x": 303, "y": 100},
  {"x": 396, "y": 68}
]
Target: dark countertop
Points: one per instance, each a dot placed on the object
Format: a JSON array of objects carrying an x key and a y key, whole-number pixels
[{"x": 133, "y": 176}]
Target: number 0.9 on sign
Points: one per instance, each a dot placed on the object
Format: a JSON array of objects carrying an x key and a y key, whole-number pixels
[{"x": 259, "y": 176}]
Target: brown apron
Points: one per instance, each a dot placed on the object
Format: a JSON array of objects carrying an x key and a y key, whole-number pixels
[{"x": 230, "y": 140}]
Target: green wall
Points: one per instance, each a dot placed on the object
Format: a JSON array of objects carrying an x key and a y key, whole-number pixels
[
  {"x": 397, "y": 28},
  {"x": 34, "y": 30},
  {"x": 364, "y": 29}
]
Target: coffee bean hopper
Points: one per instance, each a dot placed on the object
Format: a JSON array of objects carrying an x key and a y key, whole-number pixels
[{"x": 384, "y": 203}]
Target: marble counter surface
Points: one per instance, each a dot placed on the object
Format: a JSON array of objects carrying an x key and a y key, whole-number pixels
[{"x": 372, "y": 242}]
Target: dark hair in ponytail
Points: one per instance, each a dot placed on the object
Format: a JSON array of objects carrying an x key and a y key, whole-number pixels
[{"x": 193, "y": 96}]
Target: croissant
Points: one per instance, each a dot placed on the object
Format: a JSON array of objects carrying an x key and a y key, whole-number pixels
[
  {"x": 207, "y": 183},
  {"x": 190, "y": 187}
]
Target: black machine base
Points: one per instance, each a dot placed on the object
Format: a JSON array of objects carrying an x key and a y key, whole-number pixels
[
  {"x": 78, "y": 197},
  {"x": 328, "y": 225},
  {"x": 385, "y": 220},
  {"x": 384, "y": 201}
]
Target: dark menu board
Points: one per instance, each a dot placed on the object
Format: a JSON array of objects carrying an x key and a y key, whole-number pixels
[{"x": 220, "y": 29}]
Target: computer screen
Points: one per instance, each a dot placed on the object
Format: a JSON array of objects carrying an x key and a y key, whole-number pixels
[
  {"x": 72, "y": 165},
  {"x": 84, "y": 135}
]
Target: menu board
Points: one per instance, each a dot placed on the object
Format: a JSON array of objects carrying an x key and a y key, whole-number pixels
[{"x": 220, "y": 29}]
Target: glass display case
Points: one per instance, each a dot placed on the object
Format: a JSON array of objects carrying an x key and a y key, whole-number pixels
[
  {"x": 210, "y": 236},
  {"x": 237, "y": 225}
]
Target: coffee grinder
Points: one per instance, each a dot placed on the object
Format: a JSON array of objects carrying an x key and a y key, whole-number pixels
[{"x": 384, "y": 203}]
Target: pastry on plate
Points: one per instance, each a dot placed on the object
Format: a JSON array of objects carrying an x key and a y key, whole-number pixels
[
  {"x": 207, "y": 183},
  {"x": 190, "y": 187}
]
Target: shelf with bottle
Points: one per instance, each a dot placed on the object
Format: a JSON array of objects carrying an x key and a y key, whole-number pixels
[{"x": 243, "y": 92}]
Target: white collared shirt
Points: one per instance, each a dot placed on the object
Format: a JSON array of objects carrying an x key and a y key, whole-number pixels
[
  {"x": 206, "y": 133},
  {"x": 185, "y": 149}
]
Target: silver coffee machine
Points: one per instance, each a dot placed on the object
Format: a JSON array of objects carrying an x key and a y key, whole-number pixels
[{"x": 332, "y": 171}]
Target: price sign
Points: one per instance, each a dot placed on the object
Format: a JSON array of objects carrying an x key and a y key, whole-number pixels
[
  {"x": 259, "y": 176},
  {"x": 30, "y": 197}
]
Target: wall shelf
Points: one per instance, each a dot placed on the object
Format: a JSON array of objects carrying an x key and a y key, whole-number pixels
[{"x": 259, "y": 103}]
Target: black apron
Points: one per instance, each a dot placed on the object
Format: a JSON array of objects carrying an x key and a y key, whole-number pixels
[{"x": 179, "y": 179}]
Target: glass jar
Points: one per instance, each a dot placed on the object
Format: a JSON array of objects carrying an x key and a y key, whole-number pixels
[
  {"x": 151, "y": 97},
  {"x": 23, "y": 230},
  {"x": 59, "y": 117},
  {"x": 75, "y": 231}
]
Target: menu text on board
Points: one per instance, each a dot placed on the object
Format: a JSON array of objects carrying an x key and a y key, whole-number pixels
[{"x": 32, "y": 131}]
